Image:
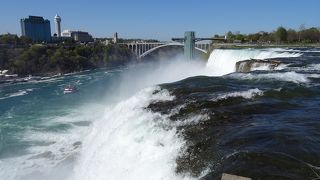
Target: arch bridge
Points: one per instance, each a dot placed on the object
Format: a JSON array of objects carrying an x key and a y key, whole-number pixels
[
  {"x": 189, "y": 42},
  {"x": 141, "y": 49}
]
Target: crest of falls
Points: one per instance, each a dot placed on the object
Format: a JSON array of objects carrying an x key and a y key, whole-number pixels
[{"x": 223, "y": 61}]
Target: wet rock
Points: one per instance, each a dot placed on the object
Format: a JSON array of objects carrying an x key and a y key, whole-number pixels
[
  {"x": 76, "y": 144},
  {"x": 251, "y": 64},
  {"x": 233, "y": 177}
]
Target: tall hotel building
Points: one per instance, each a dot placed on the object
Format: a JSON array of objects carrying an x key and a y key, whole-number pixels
[{"x": 37, "y": 28}]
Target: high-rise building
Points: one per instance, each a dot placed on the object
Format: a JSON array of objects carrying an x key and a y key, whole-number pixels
[
  {"x": 57, "y": 20},
  {"x": 37, "y": 28}
]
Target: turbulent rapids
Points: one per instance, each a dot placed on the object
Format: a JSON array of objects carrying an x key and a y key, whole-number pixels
[{"x": 169, "y": 120}]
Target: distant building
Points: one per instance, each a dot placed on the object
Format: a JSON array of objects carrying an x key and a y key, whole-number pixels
[
  {"x": 57, "y": 20},
  {"x": 36, "y": 28},
  {"x": 82, "y": 36},
  {"x": 106, "y": 42},
  {"x": 79, "y": 36},
  {"x": 115, "y": 38},
  {"x": 66, "y": 33}
]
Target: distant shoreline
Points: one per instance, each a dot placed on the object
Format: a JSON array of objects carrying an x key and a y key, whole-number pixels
[
  {"x": 29, "y": 78},
  {"x": 240, "y": 46},
  {"x": 50, "y": 60}
]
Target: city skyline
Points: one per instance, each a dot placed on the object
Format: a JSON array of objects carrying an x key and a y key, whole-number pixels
[{"x": 163, "y": 19}]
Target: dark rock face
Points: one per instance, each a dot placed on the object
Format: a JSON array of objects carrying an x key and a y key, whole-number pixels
[{"x": 251, "y": 64}]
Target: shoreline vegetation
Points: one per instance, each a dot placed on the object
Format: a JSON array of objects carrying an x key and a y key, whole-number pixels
[
  {"x": 20, "y": 58},
  {"x": 279, "y": 38},
  {"x": 257, "y": 45}
]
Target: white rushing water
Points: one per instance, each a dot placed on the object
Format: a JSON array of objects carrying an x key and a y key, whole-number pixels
[
  {"x": 285, "y": 76},
  {"x": 131, "y": 143},
  {"x": 248, "y": 94},
  {"x": 128, "y": 141},
  {"x": 222, "y": 61}
]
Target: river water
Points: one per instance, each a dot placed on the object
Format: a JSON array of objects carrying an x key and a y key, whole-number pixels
[{"x": 171, "y": 119}]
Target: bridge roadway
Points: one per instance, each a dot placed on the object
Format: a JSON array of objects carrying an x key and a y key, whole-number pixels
[{"x": 142, "y": 49}]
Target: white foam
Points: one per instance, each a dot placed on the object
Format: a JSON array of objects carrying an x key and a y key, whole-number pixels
[
  {"x": 259, "y": 67},
  {"x": 192, "y": 120},
  {"x": 267, "y": 67},
  {"x": 313, "y": 75},
  {"x": 177, "y": 109},
  {"x": 281, "y": 66},
  {"x": 222, "y": 61},
  {"x": 248, "y": 94},
  {"x": 16, "y": 94},
  {"x": 297, "y": 50},
  {"x": 313, "y": 67},
  {"x": 301, "y": 50},
  {"x": 130, "y": 143},
  {"x": 19, "y": 93},
  {"x": 50, "y": 148},
  {"x": 286, "y": 76},
  {"x": 307, "y": 68}
]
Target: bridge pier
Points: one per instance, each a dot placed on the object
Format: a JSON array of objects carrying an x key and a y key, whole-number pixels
[
  {"x": 139, "y": 52},
  {"x": 189, "y": 44},
  {"x": 142, "y": 47}
]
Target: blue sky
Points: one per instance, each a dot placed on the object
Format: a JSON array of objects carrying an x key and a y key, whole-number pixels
[{"x": 163, "y": 19}]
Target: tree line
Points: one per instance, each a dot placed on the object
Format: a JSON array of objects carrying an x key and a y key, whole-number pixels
[
  {"x": 50, "y": 59},
  {"x": 280, "y": 35},
  {"x": 13, "y": 39}
]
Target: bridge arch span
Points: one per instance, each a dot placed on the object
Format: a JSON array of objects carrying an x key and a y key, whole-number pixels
[
  {"x": 166, "y": 45},
  {"x": 158, "y": 47},
  {"x": 199, "y": 49}
]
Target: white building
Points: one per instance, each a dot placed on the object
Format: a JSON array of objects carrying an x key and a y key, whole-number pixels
[
  {"x": 57, "y": 20},
  {"x": 66, "y": 33},
  {"x": 115, "y": 38},
  {"x": 79, "y": 36}
]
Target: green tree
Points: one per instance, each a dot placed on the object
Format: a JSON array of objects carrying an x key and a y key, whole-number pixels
[
  {"x": 83, "y": 51},
  {"x": 265, "y": 37},
  {"x": 281, "y": 34},
  {"x": 301, "y": 28},
  {"x": 310, "y": 35},
  {"x": 9, "y": 39},
  {"x": 292, "y": 36},
  {"x": 254, "y": 37},
  {"x": 230, "y": 35},
  {"x": 240, "y": 37},
  {"x": 25, "y": 40},
  {"x": 3, "y": 59}
]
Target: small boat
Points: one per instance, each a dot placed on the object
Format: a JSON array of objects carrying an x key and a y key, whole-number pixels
[
  {"x": 32, "y": 78},
  {"x": 69, "y": 89}
]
